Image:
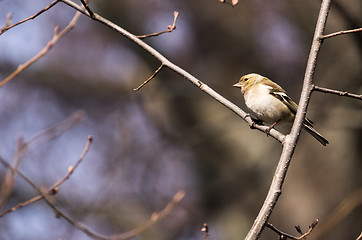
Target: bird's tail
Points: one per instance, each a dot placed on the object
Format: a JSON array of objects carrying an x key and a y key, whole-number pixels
[{"x": 315, "y": 134}]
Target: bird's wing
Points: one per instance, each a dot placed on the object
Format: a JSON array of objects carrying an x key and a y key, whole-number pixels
[{"x": 283, "y": 97}]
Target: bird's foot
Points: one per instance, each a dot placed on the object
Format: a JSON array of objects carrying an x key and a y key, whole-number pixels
[{"x": 267, "y": 131}]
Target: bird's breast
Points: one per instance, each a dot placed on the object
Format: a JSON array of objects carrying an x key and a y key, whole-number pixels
[{"x": 264, "y": 106}]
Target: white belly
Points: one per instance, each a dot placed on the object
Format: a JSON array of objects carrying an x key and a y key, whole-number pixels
[{"x": 266, "y": 107}]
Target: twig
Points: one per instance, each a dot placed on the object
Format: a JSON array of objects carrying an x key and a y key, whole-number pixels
[
  {"x": 340, "y": 33},
  {"x": 232, "y": 3},
  {"x": 50, "y": 44},
  {"x": 86, "y": 6},
  {"x": 283, "y": 235},
  {"x": 336, "y": 92},
  {"x": 53, "y": 189},
  {"x": 8, "y": 19},
  {"x": 166, "y": 63},
  {"x": 170, "y": 28},
  {"x": 347, "y": 206},
  {"x": 24, "y": 147},
  {"x": 20, "y": 205},
  {"x": 46, "y": 195},
  {"x": 8, "y": 26},
  {"x": 9, "y": 177},
  {"x": 359, "y": 237},
  {"x": 72, "y": 168},
  {"x": 205, "y": 228},
  {"x": 149, "y": 79},
  {"x": 290, "y": 142},
  {"x": 155, "y": 217}
]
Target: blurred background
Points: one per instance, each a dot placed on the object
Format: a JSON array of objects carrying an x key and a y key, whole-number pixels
[{"x": 170, "y": 136}]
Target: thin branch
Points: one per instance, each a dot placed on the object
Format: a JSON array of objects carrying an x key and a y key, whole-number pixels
[
  {"x": 20, "y": 205},
  {"x": 72, "y": 168},
  {"x": 359, "y": 237},
  {"x": 53, "y": 189},
  {"x": 149, "y": 79},
  {"x": 346, "y": 207},
  {"x": 283, "y": 235},
  {"x": 9, "y": 17},
  {"x": 205, "y": 228},
  {"x": 24, "y": 147},
  {"x": 170, "y": 28},
  {"x": 44, "y": 51},
  {"x": 46, "y": 195},
  {"x": 336, "y": 92},
  {"x": 165, "y": 62},
  {"x": 291, "y": 140},
  {"x": 86, "y": 6},
  {"x": 232, "y": 3},
  {"x": 155, "y": 217},
  {"x": 8, "y": 26},
  {"x": 340, "y": 33}
]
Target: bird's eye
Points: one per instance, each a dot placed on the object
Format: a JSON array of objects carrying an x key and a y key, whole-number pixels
[{"x": 246, "y": 79}]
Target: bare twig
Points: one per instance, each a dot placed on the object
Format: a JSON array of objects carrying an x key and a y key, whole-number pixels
[
  {"x": 166, "y": 63},
  {"x": 24, "y": 147},
  {"x": 340, "y": 33},
  {"x": 290, "y": 142},
  {"x": 232, "y": 3},
  {"x": 86, "y": 6},
  {"x": 351, "y": 202},
  {"x": 44, "y": 51},
  {"x": 205, "y": 228},
  {"x": 8, "y": 26},
  {"x": 72, "y": 168},
  {"x": 283, "y": 235},
  {"x": 149, "y": 79},
  {"x": 46, "y": 195},
  {"x": 336, "y": 92},
  {"x": 155, "y": 217},
  {"x": 359, "y": 237},
  {"x": 20, "y": 205},
  {"x": 9, "y": 177},
  {"x": 8, "y": 19},
  {"x": 53, "y": 189},
  {"x": 170, "y": 28}
]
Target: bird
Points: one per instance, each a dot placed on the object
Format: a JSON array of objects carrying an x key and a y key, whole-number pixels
[{"x": 269, "y": 103}]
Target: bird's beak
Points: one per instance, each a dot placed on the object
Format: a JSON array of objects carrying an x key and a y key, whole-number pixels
[{"x": 238, "y": 85}]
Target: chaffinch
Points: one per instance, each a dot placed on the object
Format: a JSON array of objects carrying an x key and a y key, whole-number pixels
[{"x": 268, "y": 102}]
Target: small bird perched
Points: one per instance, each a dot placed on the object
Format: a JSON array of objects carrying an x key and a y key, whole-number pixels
[{"x": 270, "y": 103}]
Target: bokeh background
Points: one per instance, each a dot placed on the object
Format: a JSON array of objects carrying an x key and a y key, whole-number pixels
[{"x": 170, "y": 136}]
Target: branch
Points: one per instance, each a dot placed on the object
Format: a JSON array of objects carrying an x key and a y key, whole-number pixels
[
  {"x": 72, "y": 168},
  {"x": 232, "y": 3},
  {"x": 336, "y": 92},
  {"x": 85, "y": 5},
  {"x": 149, "y": 79},
  {"x": 155, "y": 217},
  {"x": 44, "y": 51},
  {"x": 8, "y": 26},
  {"x": 346, "y": 207},
  {"x": 24, "y": 147},
  {"x": 46, "y": 195},
  {"x": 205, "y": 228},
  {"x": 166, "y": 63},
  {"x": 290, "y": 142},
  {"x": 52, "y": 190},
  {"x": 170, "y": 28},
  {"x": 340, "y": 33},
  {"x": 359, "y": 237},
  {"x": 283, "y": 235}
]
